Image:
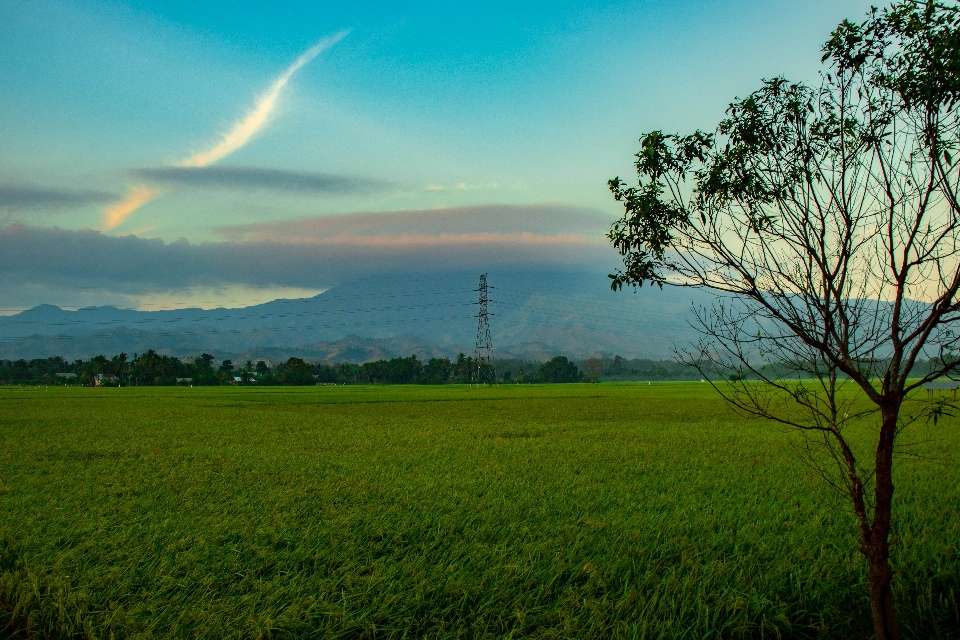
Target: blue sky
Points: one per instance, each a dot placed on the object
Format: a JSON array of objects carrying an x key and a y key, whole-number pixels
[{"x": 492, "y": 112}]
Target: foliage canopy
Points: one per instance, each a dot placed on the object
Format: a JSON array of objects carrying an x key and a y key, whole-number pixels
[{"x": 827, "y": 220}]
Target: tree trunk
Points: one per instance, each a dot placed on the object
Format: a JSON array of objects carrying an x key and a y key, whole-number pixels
[
  {"x": 881, "y": 598},
  {"x": 877, "y": 546}
]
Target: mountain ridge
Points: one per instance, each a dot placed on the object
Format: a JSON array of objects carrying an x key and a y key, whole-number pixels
[{"x": 547, "y": 313}]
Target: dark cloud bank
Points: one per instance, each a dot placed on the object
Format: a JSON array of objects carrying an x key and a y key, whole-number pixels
[
  {"x": 258, "y": 178},
  {"x": 68, "y": 259},
  {"x": 14, "y": 198}
]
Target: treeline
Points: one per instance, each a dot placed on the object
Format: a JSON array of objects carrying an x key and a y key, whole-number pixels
[
  {"x": 146, "y": 369},
  {"x": 618, "y": 368},
  {"x": 153, "y": 369}
]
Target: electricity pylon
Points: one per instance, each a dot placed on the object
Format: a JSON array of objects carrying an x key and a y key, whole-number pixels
[{"x": 486, "y": 373}]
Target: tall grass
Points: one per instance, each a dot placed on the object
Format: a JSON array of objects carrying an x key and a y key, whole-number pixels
[{"x": 564, "y": 511}]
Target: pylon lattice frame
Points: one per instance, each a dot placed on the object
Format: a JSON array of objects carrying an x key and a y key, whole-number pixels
[{"x": 486, "y": 371}]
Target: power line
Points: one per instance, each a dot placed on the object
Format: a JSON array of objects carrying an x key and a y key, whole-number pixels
[
  {"x": 624, "y": 322},
  {"x": 325, "y": 297},
  {"x": 225, "y": 317},
  {"x": 484, "y": 346},
  {"x": 212, "y": 331}
]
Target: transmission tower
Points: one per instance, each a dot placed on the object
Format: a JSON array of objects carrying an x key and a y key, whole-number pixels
[{"x": 484, "y": 356}]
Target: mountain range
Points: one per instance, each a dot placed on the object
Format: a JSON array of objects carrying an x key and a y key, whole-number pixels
[{"x": 534, "y": 315}]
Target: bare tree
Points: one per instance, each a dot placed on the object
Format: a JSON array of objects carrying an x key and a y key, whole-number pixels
[{"x": 827, "y": 220}]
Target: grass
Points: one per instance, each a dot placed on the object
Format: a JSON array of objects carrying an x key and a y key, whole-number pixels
[{"x": 559, "y": 511}]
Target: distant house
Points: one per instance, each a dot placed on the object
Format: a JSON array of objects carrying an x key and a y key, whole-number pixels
[
  {"x": 66, "y": 376},
  {"x": 184, "y": 380},
  {"x": 237, "y": 379},
  {"x": 942, "y": 385},
  {"x": 105, "y": 378}
]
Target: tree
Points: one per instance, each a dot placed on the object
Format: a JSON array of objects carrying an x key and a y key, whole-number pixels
[
  {"x": 559, "y": 369},
  {"x": 827, "y": 221},
  {"x": 202, "y": 370},
  {"x": 147, "y": 367},
  {"x": 463, "y": 368},
  {"x": 246, "y": 373},
  {"x": 119, "y": 361},
  {"x": 437, "y": 371},
  {"x": 296, "y": 371},
  {"x": 593, "y": 368},
  {"x": 404, "y": 370},
  {"x": 99, "y": 364}
]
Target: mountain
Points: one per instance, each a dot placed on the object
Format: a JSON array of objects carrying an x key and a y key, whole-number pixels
[{"x": 534, "y": 315}]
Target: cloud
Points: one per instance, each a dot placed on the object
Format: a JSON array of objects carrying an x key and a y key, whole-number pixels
[
  {"x": 71, "y": 260},
  {"x": 244, "y": 128},
  {"x": 32, "y": 198},
  {"x": 450, "y": 240},
  {"x": 136, "y": 197},
  {"x": 462, "y": 186},
  {"x": 258, "y": 178},
  {"x": 478, "y": 221},
  {"x": 241, "y": 132}
]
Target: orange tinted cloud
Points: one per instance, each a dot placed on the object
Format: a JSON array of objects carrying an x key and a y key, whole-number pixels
[
  {"x": 480, "y": 222},
  {"x": 239, "y": 135},
  {"x": 443, "y": 239},
  {"x": 136, "y": 197}
]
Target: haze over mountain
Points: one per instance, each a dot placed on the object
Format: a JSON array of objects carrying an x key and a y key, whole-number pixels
[{"x": 536, "y": 314}]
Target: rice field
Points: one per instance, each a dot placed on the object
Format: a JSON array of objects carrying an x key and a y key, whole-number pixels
[{"x": 539, "y": 511}]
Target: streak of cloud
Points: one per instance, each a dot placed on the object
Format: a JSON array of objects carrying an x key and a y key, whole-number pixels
[
  {"x": 21, "y": 197},
  {"x": 451, "y": 240},
  {"x": 142, "y": 230},
  {"x": 243, "y": 129},
  {"x": 236, "y": 137},
  {"x": 117, "y": 213},
  {"x": 258, "y": 178},
  {"x": 462, "y": 186},
  {"x": 551, "y": 219}
]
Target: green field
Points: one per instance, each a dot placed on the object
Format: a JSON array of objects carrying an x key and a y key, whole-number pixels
[{"x": 555, "y": 511}]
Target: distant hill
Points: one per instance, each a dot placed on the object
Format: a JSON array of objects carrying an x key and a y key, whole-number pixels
[{"x": 536, "y": 314}]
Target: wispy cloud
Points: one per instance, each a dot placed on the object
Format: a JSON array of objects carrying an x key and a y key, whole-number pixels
[
  {"x": 244, "y": 128},
  {"x": 259, "y": 178},
  {"x": 136, "y": 197},
  {"x": 462, "y": 186},
  {"x": 238, "y": 135}
]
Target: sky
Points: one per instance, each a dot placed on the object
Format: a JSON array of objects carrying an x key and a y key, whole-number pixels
[{"x": 156, "y": 154}]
